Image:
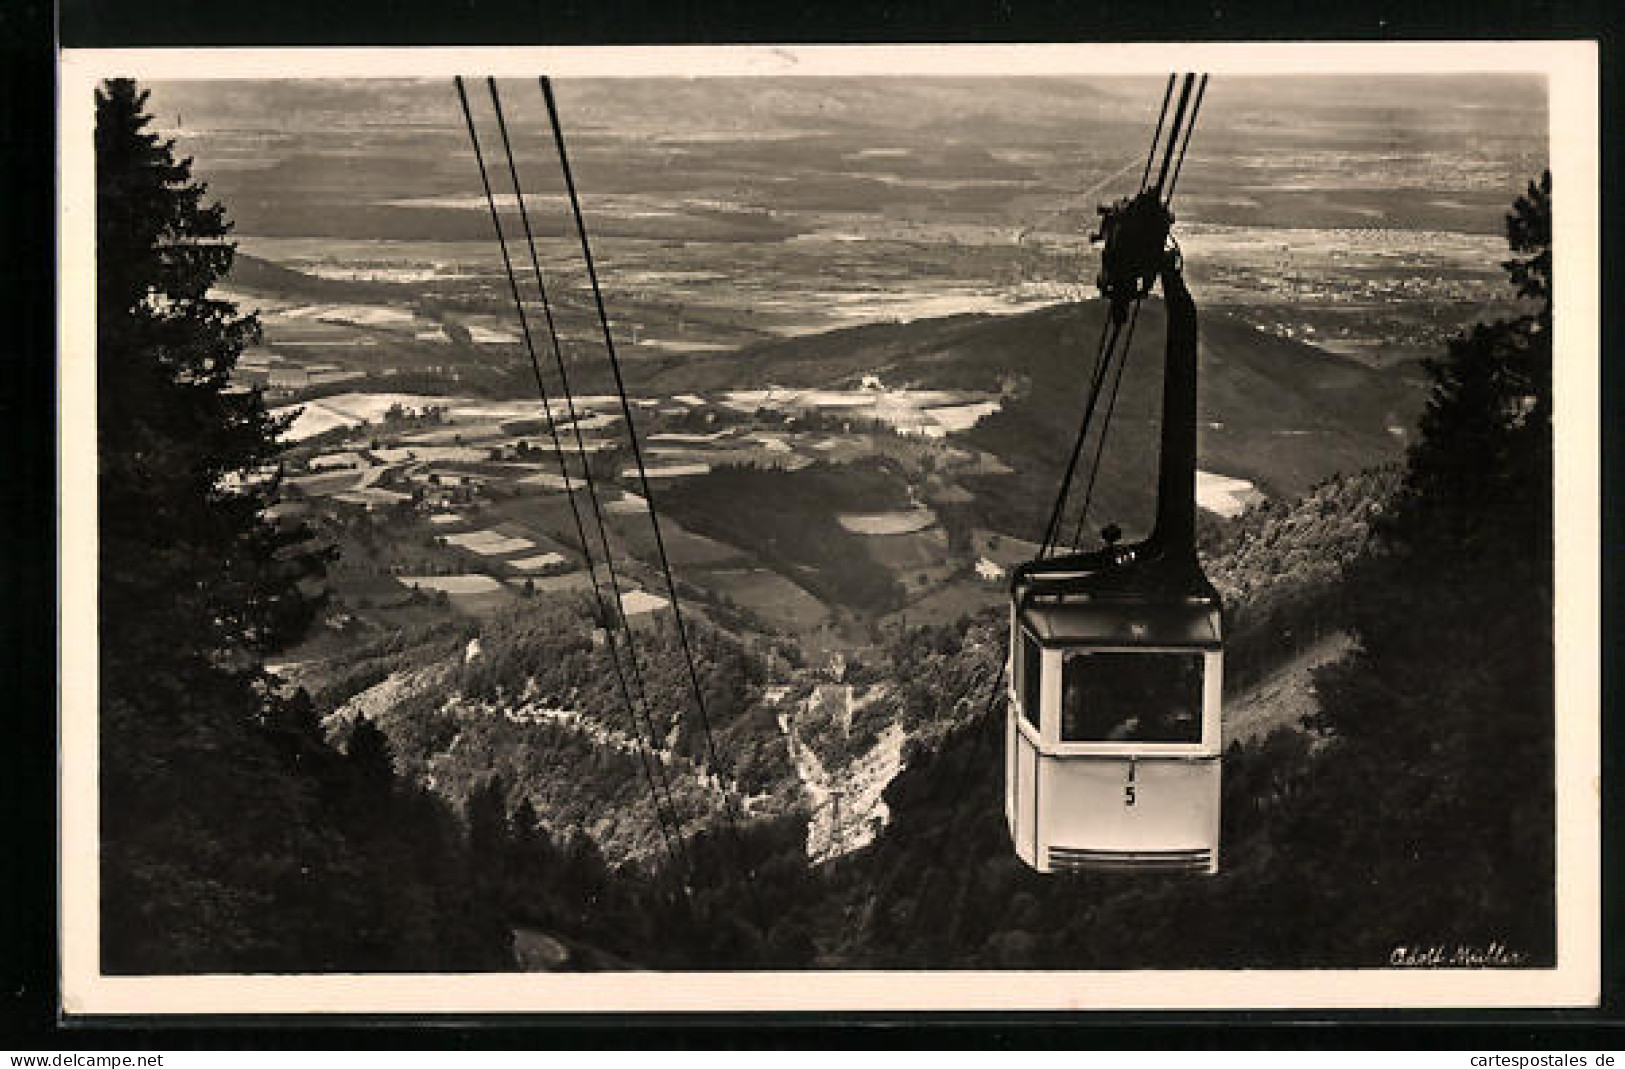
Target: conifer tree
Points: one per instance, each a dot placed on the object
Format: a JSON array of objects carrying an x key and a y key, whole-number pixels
[
  {"x": 193, "y": 582},
  {"x": 189, "y": 564},
  {"x": 1443, "y": 721},
  {"x": 225, "y": 842}
]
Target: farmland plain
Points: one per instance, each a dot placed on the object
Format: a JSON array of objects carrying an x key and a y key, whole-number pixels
[{"x": 1363, "y": 211}]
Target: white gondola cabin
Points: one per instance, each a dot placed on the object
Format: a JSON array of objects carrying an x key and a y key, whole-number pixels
[{"x": 1113, "y": 736}]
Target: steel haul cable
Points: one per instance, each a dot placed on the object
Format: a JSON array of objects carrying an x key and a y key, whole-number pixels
[
  {"x": 1111, "y": 404},
  {"x": 1128, "y": 342},
  {"x": 1106, "y": 425},
  {"x": 1201, "y": 90},
  {"x": 468, "y": 116},
  {"x": 1162, "y": 116},
  {"x": 1173, "y": 134},
  {"x": 1173, "y": 156},
  {"x": 638, "y": 685},
  {"x": 721, "y": 770},
  {"x": 1052, "y": 529},
  {"x": 1108, "y": 339}
]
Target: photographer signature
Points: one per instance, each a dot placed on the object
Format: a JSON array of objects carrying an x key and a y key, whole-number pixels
[{"x": 1494, "y": 955}]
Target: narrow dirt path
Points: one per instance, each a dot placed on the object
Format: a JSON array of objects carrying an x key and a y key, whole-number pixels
[{"x": 1285, "y": 696}]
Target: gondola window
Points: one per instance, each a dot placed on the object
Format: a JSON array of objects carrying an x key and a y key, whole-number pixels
[
  {"x": 1113, "y": 696},
  {"x": 1032, "y": 676}
]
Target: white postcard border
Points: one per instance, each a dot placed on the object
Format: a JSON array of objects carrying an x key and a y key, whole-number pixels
[{"x": 1570, "y": 68}]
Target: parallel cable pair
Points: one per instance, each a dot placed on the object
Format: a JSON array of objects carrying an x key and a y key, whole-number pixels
[
  {"x": 719, "y": 769},
  {"x": 659, "y": 783},
  {"x": 667, "y": 819}
]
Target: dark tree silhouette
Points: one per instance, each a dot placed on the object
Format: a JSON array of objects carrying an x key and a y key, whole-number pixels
[
  {"x": 192, "y": 582},
  {"x": 232, "y": 835},
  {"x": 187, "y": 464},
  {"x": 1444, "y": 719}
]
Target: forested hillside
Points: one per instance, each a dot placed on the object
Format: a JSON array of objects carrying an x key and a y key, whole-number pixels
[
  {"x": 530, "y": 698},
  {"x": 1280, "y": 568},
  {"x": 233, "y": 837}
]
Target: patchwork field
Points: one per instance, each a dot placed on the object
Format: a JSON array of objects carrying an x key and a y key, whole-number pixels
[
  {"x": 779, "y": 602},
  {"x": 900, "y": 522},
  {"x": 472, "y": 595},
  {"x": 684, "y": 548},
  {"x": 912, "y": 552},
  {"x": 453, "y": 584}
]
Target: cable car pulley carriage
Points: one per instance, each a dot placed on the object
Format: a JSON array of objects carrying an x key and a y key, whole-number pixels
[{"x": 1112, "y": 735}]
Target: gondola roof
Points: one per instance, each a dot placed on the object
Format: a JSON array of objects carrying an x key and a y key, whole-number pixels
[
  {"x": 1146, "y": 600},
  {"x": 1124, "y": 623}
]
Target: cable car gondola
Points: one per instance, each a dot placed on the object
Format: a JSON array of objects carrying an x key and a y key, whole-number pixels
[{"x": 1112, "y": 736}]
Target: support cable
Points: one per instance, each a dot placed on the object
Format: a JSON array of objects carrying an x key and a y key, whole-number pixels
[
  {"x": 1106, "y": 424},
  {"x": 721, "y": 769},
  {"x": 638, "y": 685},
  {"x": 1052, "y": 529},
  {"x": 1173, "y": 134},
  {"x": 1173, "y": 156},
  {"x": 524, "y": 326},
  {"x": 1201, "y": 90},
  {"x": 1162, "y": 116},
  {"x": 1109, "y": 333}
]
